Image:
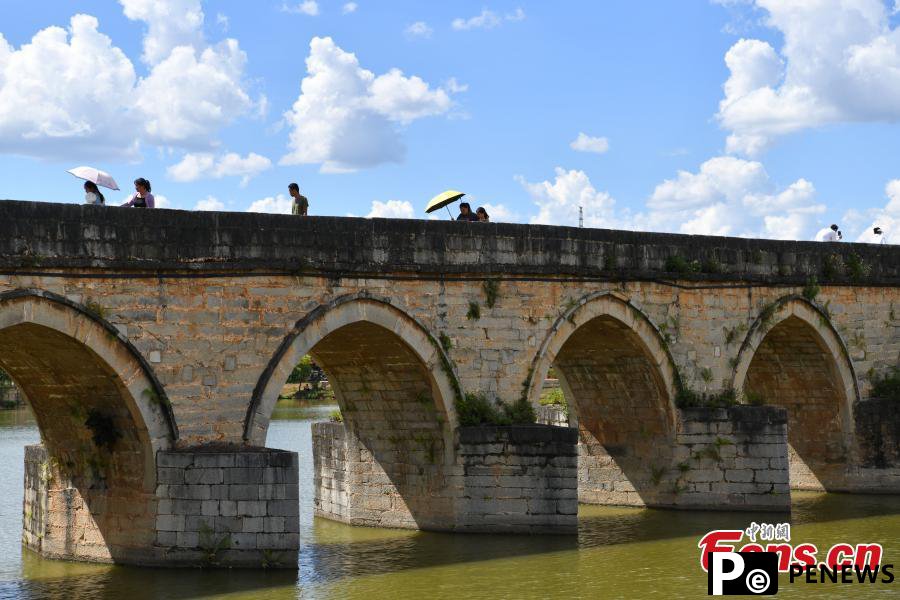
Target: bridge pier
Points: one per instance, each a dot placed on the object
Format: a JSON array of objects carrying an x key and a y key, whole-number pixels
[
  {"x": 212, "y": 507},
  {"x": 720, "y": 459},
  {"x": 517, "y": 479}
]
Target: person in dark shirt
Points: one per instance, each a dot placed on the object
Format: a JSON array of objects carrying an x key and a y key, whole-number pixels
[
  {"x": 465, "y": 213},
  {"x": 301, "y": 204}
]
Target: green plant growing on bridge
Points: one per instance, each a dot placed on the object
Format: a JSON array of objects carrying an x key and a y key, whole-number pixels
[
  {"x": 811, "y": 289},
  {"x": 446, "y": 342},
  {"x": 491, "y": 288},
  {"x": 476, "y": 409},
  {"x": 103, "y": 428},
  {"x": 754, "y": 398},
  {"x": 609, "y": 258},
  {"x": 733, "y": 362},
  {"x": 858, "y": 269},
  {"x": 766, "y": 314},
  {"x": 687, "y": 397},
  {"x": 155, "y": 399},
  {"x": 95, "y": 307},
  {"x": 335, "y": 416},
  {"x": 886, "y": 386},
  {"x": 426, "y": 443},
  {"x": 832, "y": 266},
  {"x": 211, "y": 545},
  {"x": 756, "y": 256},
  {"x": 656, "y": 474},
  {"x": 474, "y": 311},
  {"x": 732, "y": 333},
  {"x": 270, "y": 559},
  {"x": 666, "y": 327},
  {"x": 679, "y": 264},
  {"x": 713, "y": 451},
  {"x": 706, "y": 374},
  {"x": 711, "y": 265}
]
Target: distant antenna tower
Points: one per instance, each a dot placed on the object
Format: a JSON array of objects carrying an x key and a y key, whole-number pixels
[{"x": 580, "y": 217}]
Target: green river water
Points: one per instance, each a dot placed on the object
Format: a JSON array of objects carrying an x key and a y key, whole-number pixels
[{"x": 618, "y": 552}]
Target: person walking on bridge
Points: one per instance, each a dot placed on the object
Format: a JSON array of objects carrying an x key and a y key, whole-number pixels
[
  {"x": 300, "y": 205},
  {"x": 828, "y": 234},
  {"x": 92, "y": 194},
  {"x": 142, "y": 197}
]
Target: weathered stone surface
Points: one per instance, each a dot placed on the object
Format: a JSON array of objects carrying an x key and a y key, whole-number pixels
[
  {"x": 181, "y": 327},
  {"x": 490, "y": 488}
]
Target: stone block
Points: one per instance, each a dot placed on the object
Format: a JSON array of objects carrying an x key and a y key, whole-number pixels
[{"x": 251, "y": 508}]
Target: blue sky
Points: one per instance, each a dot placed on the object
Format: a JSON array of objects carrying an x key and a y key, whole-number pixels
[{"x": 768, "y": 118}]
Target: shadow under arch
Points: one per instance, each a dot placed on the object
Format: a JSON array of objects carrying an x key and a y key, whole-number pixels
[
  {"x": 793, "y": 357},
  {"x": 396, "y": 390},
  {"x": 620, "y": 382},
  {"x": 102, "y": 416}
]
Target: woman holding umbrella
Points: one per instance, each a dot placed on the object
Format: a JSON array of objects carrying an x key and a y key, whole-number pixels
[{"x": 93, "y": 178}]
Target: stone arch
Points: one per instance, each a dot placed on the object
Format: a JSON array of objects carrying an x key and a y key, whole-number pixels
[
  {"x": 620, "y": 381},
  {"x": 327, "y": 318},
  {"x": 396, "y": 390},
  {"x": 85, "y": 382},
  {"x": 793, "y": 357}
]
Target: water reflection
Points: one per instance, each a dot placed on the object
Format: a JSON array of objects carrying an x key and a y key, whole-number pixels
[{"x": 618, "y": 553}]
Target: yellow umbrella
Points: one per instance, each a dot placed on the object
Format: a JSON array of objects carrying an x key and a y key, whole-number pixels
[{"x": 443, "y": 199}]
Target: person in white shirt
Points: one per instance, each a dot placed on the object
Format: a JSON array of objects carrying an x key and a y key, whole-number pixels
[
  {"x": 878, "y": 232},
  {"x": 92, "y": 194},
  {"x": 828, "y": 234}
]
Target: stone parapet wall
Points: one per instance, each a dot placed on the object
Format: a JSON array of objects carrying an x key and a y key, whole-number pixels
[
  {"x": 228, "y": 507},
  {"x": 81, "y": 235},
  {"x": 732, "y": 459}
]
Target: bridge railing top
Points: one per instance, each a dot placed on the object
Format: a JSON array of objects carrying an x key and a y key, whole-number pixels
[{"x": 41, "y": 236}]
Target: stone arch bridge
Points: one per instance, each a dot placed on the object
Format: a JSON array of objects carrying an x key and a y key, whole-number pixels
[{"x": 700, "y": 372}]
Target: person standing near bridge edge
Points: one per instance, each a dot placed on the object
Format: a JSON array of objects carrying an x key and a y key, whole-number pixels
[
  {"x": 301, "y": 204},
  {"x": 142, "y": 197}
]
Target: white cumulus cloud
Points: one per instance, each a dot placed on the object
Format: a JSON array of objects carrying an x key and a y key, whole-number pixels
[
  {"x": 392, "y": 209},
  {"x": 279, "y": 204},
  {"x": 203, "y": 165},
  {"x": 840, "y": 62},
  {"x": 349, "y": 7},
  {"x": 586, "y": 143},
  {"x": 191, "y": 94},
  {"x": 170, "y": 23},
  {"x": 726, "y": 196},
  {"x": 347, "y": 118},
  {"x": 209, "y": 203},
  {"x": 307, "y": 7},
  {"x": 487, "y": 19},
  {"x": 50, "y": 108},
  {"x": 558, "y": 201},
  {"x": 732, "y": 196},
  {"x": 419, "y": 29},
  {"x": 887, "y": 218}
]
